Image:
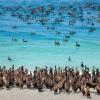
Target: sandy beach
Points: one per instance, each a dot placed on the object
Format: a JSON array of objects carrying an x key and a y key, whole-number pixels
[{"x": 25, "y": 94}]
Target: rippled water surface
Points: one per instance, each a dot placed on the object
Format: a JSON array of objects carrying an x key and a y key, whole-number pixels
[{"x": 40, "y": 49}]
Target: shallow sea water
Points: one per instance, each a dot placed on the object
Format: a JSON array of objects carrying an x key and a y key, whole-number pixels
[{"x": 40, "y": 49}]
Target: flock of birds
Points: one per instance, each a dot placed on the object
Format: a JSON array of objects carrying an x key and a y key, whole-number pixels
[
  {"x": 51, "y": 15},
  {"x": 55, "y": 79}
]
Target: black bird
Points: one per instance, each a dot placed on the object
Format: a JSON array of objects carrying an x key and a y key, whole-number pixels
[
  {"x": 69, "y": 59},
  {"x": 25, "y": 41},
  {"x": 77, "y": 44},
  {"x": 9, "y": 58}
]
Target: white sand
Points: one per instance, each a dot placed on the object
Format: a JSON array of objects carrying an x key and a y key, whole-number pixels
[{"x": 26, "y": 94}]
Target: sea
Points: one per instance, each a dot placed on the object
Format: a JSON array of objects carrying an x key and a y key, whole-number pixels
[{"x": 40, "y": 49}]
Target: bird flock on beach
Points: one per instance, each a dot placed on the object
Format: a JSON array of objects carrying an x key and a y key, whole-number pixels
[{"x": 56, "y": 79}]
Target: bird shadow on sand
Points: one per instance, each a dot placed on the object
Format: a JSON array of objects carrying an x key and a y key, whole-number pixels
[
  {"x": 68, "y": 92},
  {"x": 89, "y": 97}
]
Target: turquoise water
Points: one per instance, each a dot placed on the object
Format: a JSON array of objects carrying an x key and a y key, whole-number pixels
[{"x": 40, "y": 49}]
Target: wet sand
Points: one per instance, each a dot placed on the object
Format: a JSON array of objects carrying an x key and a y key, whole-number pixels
[{"x": 26, "y": 94}]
